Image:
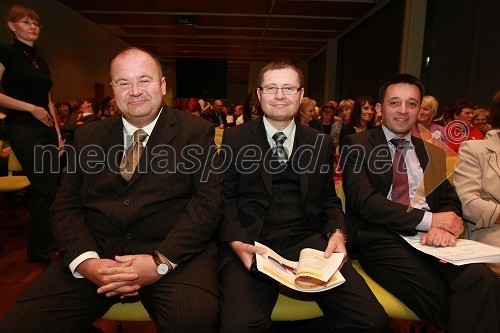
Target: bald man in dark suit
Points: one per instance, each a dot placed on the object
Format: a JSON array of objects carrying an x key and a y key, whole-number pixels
[{"x": 144, "y": 232}]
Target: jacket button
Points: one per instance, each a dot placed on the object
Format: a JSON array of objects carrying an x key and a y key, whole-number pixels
[
  {"x": 128, "y": 235},
  {"x": 126, "y": 202}
]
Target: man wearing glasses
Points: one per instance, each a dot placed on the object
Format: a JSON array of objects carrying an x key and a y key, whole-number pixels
[{"x": 278, "y": 190}]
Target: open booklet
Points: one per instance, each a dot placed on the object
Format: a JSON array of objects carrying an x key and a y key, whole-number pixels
[
  {"x": 312, "y": 273},
  {"x": 466, "y": 251}
]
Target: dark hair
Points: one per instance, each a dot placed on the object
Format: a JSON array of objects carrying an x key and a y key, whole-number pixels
[
  {"x": 94, "y": 103},
  {"x": 356, "y": 111},
  {"x": 456, "y": 107},
  {"x": 495, "y": 111},
  {"x": 401, "y": 78},
  {"x": 18, "y": 12},
  {"x": 63, "y": 102},
  {"x": 280, "y": 64},
  {"x": 251, "y": 107}
]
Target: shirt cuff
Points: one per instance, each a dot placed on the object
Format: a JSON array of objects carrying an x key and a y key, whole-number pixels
[
  {"x": 165, "y": 258},
  {"x": 426, "y": 222},
  {"x": 78, "y": 260}
]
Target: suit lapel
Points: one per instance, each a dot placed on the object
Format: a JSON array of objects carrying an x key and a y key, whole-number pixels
[
  {"x": 493, "y": 154},
  {"x": 163, "y": 133},
  {"x": 260, "y": 138},
  {"x": 299, "y": 141},
  {"x": 112, "y": 144},
  {"x": 381, "y": 148}
]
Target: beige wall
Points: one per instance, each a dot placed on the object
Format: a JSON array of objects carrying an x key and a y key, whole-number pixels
[{"x": 77, "y": 50}]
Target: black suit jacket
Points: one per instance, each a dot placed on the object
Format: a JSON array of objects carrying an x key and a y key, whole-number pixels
[
  {"x": 248, "y": 182},
  {"x": 69, "y": 128},
  {"x": 171, "y": 204},
  {"x": 367, "y": 178}
]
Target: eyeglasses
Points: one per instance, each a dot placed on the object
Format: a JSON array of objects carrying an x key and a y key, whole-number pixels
[
  {"x": 126, "y": 85},
  {"x": 28, "y": 23},
  {"x": 285, "y": 90},
  {"x": 328, "y": 107}
]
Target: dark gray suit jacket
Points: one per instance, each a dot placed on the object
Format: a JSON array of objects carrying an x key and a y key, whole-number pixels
[
  {"x": 168, "y": 205},
  {"x": 367, "y": 178},
  {"x": 248, "y": 182}
]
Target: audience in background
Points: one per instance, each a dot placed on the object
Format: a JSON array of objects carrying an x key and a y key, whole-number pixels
[
  {"x": 326, "y": 113},
  {"x": 193, "y": 106},
  {"x": 344, "y": 110},
  {"x": 361, "y": 118},
  {"x": 87, "y": 113},
  {"x": 481, "y": 119},
  {"x": 238, "y": 114},
  {"x": 63, "y": 111},
  {"x": 251, "y": 107},
  {"x": 461, "y": 129},
  {"x": 306, "y": 114},
  {"x": 477, "y": 182},
  {"x": 424, "y": 128}
]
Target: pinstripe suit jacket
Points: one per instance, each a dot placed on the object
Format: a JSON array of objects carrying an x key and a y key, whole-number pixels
[{"x": 167, "y": 205}]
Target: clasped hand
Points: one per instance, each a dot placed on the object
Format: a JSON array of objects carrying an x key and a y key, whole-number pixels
[
  {"x": 445, "y": 229},
  {"x": 123, "y": 276}
]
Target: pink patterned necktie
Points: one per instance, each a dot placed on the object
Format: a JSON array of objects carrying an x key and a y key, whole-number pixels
[
  {"x": 400, "y": 188},
  {"x": 132, "y": 155}
]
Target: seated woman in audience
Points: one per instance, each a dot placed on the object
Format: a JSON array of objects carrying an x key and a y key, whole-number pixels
[
  {"x": 192, "y": 105},
  {"x": 306, "y": 114},
  {"x": 326, "y": 113},
  {"x": 344, "y": 110},
  {"x": 477, "y": 181},
  {"x": 481, "y": 119},
  {"x": 461, "y": 129},
  {"x": 63, "y": 112},
  {"x": 361, "y": 118},
  {"x": 424, "y": 128}
]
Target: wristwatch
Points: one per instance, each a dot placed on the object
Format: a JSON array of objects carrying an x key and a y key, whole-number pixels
[
  {"x": 340, "y": 231},
  {"x": 161, "y": 267}
]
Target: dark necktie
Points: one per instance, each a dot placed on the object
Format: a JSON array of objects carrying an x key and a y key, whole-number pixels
[
  {"x": 279, "y": 151},
  {"x": 132, "y": 155},
  {"x": 400, "y": 188}
]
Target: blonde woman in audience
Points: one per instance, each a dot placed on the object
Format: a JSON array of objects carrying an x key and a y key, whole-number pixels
[
  {"x": 424, "y": 128},
  {"x": 477, "y": 181},
  {"x": 481, "y": 119},
  {"x": 344, "y": 109},
  {"x": 306, "y": 114}
]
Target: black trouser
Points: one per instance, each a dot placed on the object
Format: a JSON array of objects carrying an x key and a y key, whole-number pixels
[
  {"x": 36, "y": 149},
  {"x": 454, "y": 298}
]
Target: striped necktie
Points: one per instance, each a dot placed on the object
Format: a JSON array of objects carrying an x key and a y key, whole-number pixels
[
  {"x": 279, "y": 151},
  {"x": 400, "y": 188},
  {"x": 132, "y": 155}
]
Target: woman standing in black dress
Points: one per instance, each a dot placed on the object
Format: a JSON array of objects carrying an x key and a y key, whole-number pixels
[{"x": 30, "y": 126}]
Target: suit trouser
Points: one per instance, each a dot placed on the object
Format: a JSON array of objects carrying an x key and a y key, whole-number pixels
[
  {"x": 455, "y": 298},
  {"x": 41, "y": 167},
  {"x": 59, "y": 302},
  {"x": 247, "y": 301}
]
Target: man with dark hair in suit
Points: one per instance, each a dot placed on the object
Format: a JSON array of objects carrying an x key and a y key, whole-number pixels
[
  {"x": 278, "y": 190},
  {"x": 396, "y": 184},
  {"x": 137, "y": 226}
]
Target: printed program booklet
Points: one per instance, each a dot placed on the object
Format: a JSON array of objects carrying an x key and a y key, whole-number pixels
[
  {"x": 312, "y": 273},
  {"x": 466, "y": 251}
]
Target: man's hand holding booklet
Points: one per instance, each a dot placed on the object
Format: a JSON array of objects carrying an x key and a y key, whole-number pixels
[{"x": 312, "y": 273}]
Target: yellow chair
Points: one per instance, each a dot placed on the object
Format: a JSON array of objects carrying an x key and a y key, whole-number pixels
[
  {"x": 286, "y": 308},
  {"x": 12, "y": 183}
]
